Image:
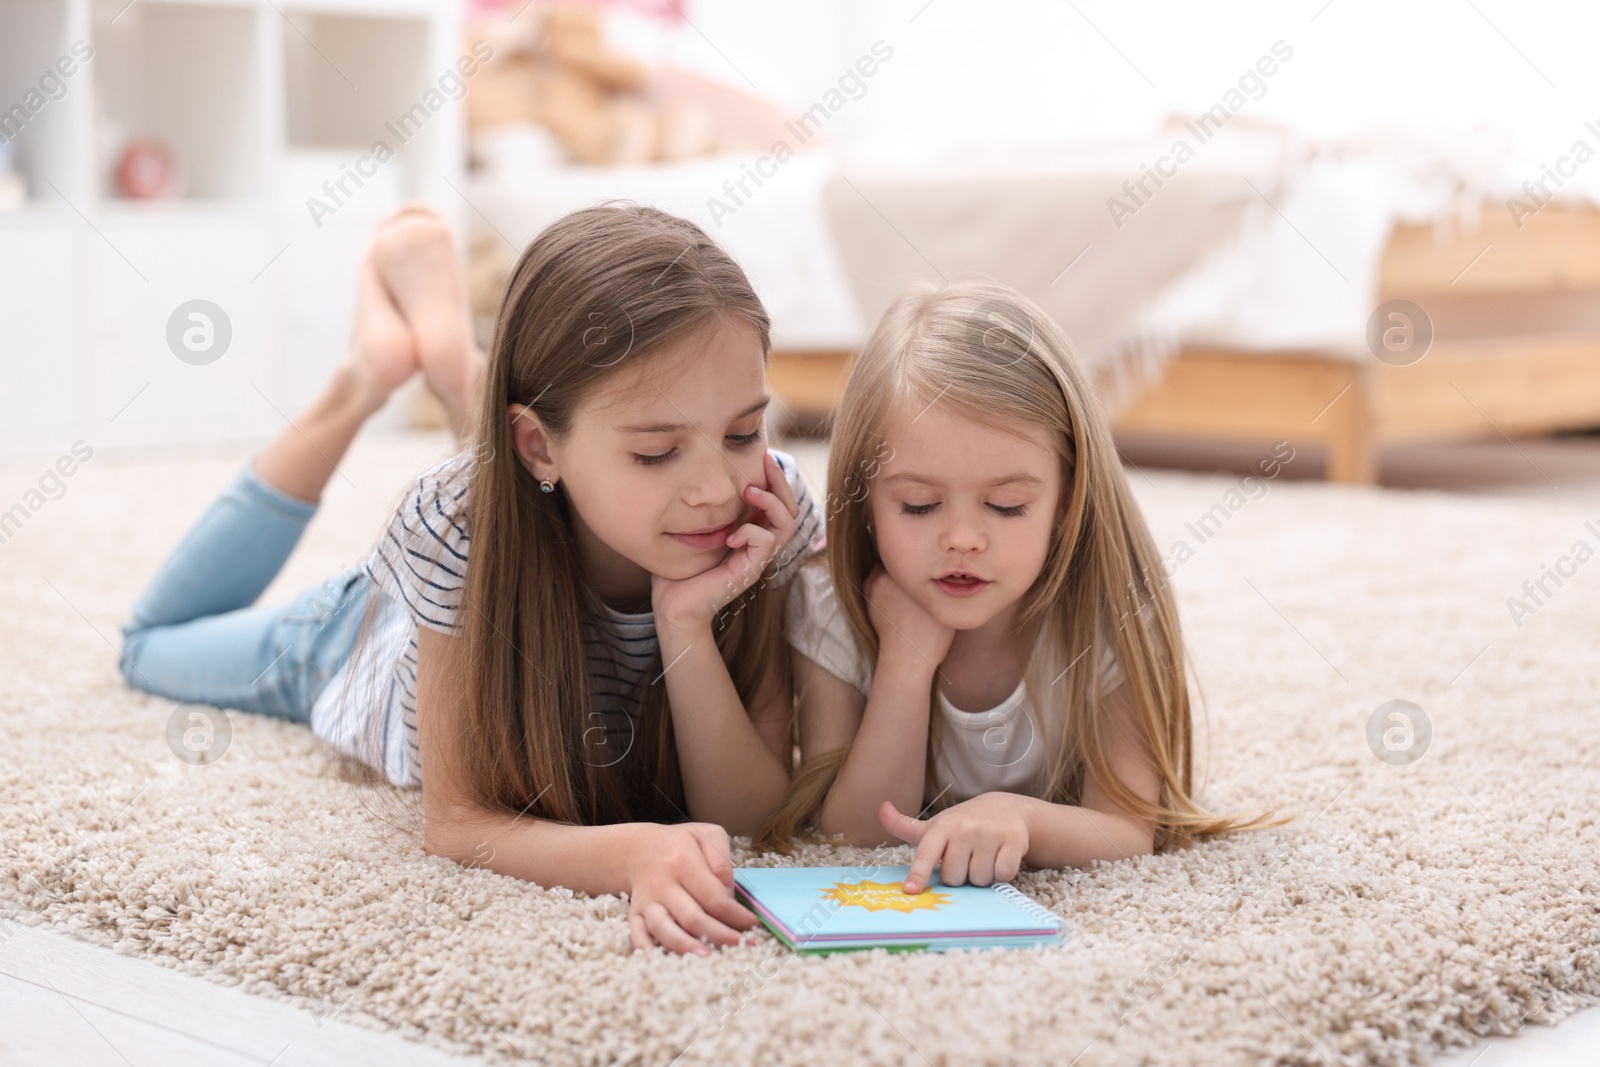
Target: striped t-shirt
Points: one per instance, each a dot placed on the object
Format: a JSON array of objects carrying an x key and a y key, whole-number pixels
[{"x": 420, "y": 566}]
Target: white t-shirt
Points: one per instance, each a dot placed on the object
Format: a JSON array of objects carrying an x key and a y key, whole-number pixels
[
  {"x": 1000, "y": 749},
  {"x": 419, "y": 568}
]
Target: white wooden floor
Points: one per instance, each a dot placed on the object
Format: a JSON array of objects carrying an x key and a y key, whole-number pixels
[
  {"x": 1574, "y": 1043},
  {"x": 67, "y": 1003}
]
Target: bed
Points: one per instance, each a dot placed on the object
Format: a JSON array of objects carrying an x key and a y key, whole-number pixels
[
  {"x": 1516, "y": 351},
  {"x": 1239, "y": 302},
  {"x": 1229, "y": 302}
]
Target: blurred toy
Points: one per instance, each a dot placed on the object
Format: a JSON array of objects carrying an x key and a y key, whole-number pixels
[
  {"x": 147, "y": 170},
  {"x": 602, "y": 106}
]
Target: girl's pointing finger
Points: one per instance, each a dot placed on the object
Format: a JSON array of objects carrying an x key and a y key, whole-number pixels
[{"x": 922, "y": 864}]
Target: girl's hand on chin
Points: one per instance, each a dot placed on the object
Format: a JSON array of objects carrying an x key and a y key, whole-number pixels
[
  {"x": 903, "y": 625},
  {"x": 695, "y": 601}
]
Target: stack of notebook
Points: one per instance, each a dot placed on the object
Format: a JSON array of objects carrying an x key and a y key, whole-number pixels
[{"x": 839, "y": 909}]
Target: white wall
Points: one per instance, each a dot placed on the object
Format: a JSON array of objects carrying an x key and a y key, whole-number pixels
[
  {"x": 1003, "y": 72},
  {"x": 964, "y": 74}
]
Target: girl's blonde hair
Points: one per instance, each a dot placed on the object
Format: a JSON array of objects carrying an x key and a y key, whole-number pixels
[
  {"x": 599, "y": 291},
  {"x": 994, "y": 357}
]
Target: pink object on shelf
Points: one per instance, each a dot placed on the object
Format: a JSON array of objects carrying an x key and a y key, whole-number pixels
[{"x": 146, "y": 170}]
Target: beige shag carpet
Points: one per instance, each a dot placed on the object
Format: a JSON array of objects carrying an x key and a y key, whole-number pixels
[{"x": 1408, "y": 907}]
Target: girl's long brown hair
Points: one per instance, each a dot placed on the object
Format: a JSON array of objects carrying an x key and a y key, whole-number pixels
[
  {"x": 995, "y": 357},
  {"x": 599, "y": 290}
]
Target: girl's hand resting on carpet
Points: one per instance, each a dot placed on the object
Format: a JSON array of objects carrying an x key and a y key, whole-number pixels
[
  {"x": 681, "y": 889},
  {"x": 981, "y": 840},
  {"x": 753, "y": 543}
]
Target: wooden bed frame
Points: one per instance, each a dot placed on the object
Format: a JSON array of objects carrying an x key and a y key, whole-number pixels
[{"x": 1516, "y": 351}]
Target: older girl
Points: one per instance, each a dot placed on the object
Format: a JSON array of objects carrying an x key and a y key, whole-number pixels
[{"x": 570, "y": 635}]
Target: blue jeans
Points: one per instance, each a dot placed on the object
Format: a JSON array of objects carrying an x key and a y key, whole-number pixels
[{"x": 194, "y": 635}]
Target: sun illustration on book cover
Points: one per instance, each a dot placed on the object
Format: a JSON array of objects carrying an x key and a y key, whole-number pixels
[{"x": 884, "y": 896}]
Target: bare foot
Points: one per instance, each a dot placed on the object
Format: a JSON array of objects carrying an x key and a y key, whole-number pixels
[
  {"x": 416, "y": 258},
  {"x": 383, "y": 350},
  {"x": 382, "y": 355}
]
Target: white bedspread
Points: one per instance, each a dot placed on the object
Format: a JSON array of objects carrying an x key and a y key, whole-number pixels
[
  {"x": 1304, "y": 274},
  {"x": 1293, "y": 232},
  {"x": 1260, "y": 241}
]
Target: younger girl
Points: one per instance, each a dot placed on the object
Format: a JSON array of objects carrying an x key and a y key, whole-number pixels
[
  {"x": 609, "y": 664},
  {"x": 996, "y": 641}
]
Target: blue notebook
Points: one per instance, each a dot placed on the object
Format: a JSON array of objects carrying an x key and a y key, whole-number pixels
[{"x": 840, "y": 909}]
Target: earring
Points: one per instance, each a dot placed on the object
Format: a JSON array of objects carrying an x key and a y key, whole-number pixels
[{"x": 546, "y": 486}]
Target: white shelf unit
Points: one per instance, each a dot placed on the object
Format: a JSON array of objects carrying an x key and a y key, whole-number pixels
[{"x": 261, "y": 101}]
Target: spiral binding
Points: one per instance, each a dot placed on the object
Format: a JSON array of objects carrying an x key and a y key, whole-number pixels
[{"x": 1027, "y": 904}]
